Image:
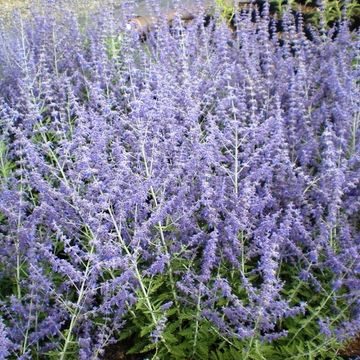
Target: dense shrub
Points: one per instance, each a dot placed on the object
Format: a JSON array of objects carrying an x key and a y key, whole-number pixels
[{"x": 194, "y": 192}]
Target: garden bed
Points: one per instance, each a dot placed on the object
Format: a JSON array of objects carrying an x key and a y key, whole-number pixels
[{"x": 183, "y": 190}]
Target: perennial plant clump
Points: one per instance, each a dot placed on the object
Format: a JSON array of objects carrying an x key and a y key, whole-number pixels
[{"x": 193, "y": 190}]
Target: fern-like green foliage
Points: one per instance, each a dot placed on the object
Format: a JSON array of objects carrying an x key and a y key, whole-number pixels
[
  {"x": 6, "y": 166},
  {"x": 189, "y": 336}
]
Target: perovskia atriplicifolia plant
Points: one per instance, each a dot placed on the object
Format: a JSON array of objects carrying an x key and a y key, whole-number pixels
[{"x": 192, "y": 192}]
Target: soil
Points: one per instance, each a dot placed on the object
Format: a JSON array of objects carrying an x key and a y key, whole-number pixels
[
  {"x": 352, "y": 349},
  {"x": 118, "y": 352}
]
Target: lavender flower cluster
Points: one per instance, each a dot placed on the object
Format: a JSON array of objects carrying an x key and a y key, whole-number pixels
[{"x": 197, "y": 169}]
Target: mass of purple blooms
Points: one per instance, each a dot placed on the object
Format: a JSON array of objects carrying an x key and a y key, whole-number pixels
[{"x": 199, "y": 169}]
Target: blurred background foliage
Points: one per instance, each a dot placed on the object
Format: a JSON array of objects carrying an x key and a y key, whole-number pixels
[{"x": 333, "y": 10}]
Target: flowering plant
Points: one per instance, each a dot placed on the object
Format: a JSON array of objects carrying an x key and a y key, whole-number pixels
[{"x": 193, "y": 190}]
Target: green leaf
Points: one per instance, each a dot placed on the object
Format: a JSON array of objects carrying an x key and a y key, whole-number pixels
[{"x": 146, "y": 330}]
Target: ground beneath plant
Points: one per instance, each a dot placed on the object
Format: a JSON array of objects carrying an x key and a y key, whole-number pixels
[
  {"x": 352, "y": 349},
  {"x": 119, "y": 351}
]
